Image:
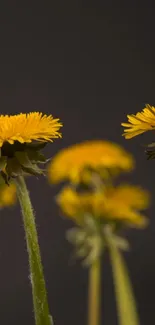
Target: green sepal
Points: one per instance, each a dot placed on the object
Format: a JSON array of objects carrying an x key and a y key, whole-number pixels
[
  {"x": 88, "y": 247},
  {"x": 36, "y": 145},
  {"x": 118, "y": 241},
  {"x": 88, "y": 240},
  {"x": 35, "y": 156},
  {"x": 150, "y": 154},
  {"x": 5, "y": 177},
  {"x": 13, "y": 167},
  {"x": 8, "y": 149},
  {"x": 151, "y": 145},
  {"x": 96, "y": 246},
  {"x": 34, "y": 170},
  {"x": 150, "y": 151},
  {"x": 23, "y": 159},
  {"x": 2, "y": 181},
  {"x": 29, "y": 159},
  {"x": 3, "y": 162},
  {"x": 76, "y": 235},
  {"x": 51, "y": 320},
  {"x": 91, "y": 238}
]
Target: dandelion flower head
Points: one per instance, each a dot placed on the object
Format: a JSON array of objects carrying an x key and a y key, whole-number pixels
[
  {"x": 120, "y": 204},
  {"x": 21, "y": 138},
  {"x": 140, "y": 122},
  {"x": 25, "y": 128},
  {"x": 69, "y": 163}
]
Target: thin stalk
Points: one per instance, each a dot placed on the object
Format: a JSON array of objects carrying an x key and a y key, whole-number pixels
[
  {"x": 41, "y": 310},
  {"x": 94, "y": 293},
  {"x": 125, "y": 300}
]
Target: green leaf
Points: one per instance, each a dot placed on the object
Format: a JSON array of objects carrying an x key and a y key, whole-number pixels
[
  {"x": 3, "y": 162},
  {"x": 126, "y": 304}
]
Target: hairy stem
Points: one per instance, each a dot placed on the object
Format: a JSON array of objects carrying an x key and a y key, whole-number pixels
[
  {"x": 125, "y": 300},
  {"x": 94, "y": 293},
  {"x": 40, "y": 303}
]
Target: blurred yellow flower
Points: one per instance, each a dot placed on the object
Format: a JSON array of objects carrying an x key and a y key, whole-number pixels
[
  {"x": 69, "y": 163},
  {"x": 120, "y": 204},
  {"x": 7, "y": 195},
  {"x": 140, "y": 123},
  {"x": 27, "y": 127}
]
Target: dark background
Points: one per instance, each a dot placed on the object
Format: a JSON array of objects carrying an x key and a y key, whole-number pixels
[{"x": 90, "y": 63}]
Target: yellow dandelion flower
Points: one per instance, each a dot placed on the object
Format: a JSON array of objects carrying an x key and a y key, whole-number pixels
[
  {"x": 124, "y": 202},
  {"x": 25, "y": 128},
  {"x": 140, "y": 123},
  {"x": 7, "y": 195},
  {"x": 70, "y": 163},
  {"x": 21, "y": 138},
  {"x": 120, "y": 204},
  {"x": 75, "y": 205}
]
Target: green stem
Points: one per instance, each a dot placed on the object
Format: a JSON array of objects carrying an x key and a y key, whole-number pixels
[
  {"x": 94, "y": 293},
  {"x": 125, "y": 300},
  {"x": 39, "y": 294}
]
